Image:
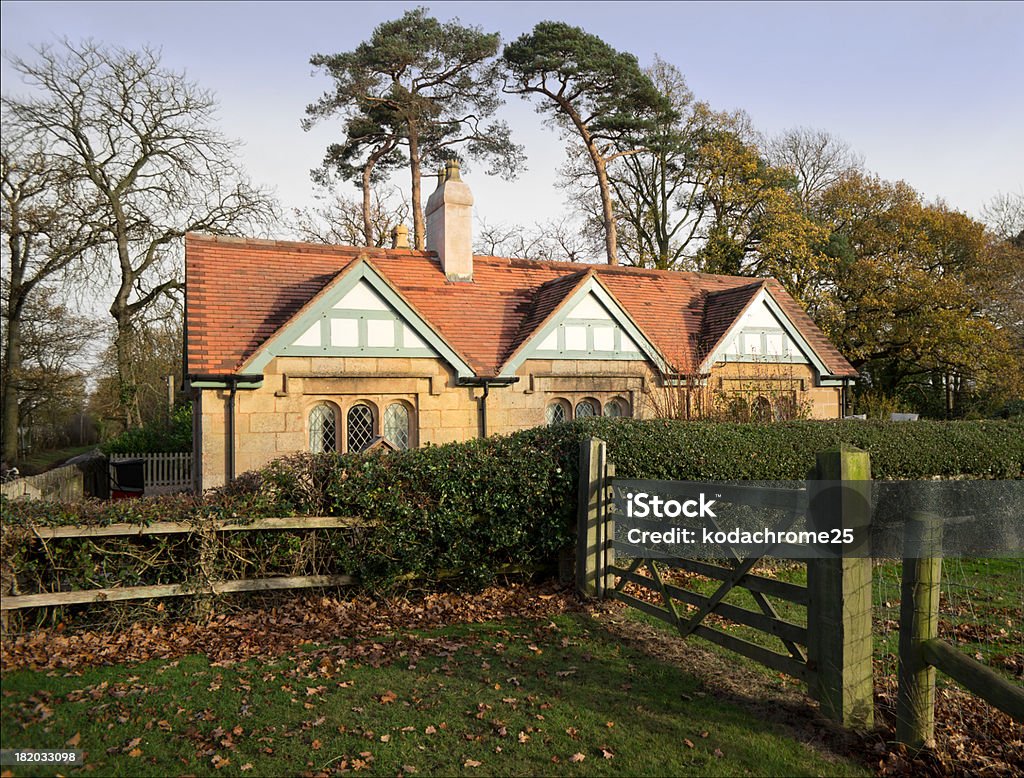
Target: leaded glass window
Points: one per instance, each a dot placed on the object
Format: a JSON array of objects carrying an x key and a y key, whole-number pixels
[
  {"x": 761, "y": 409},
  {"x": 613, "y": 409},
  {"x": 584, "y": 409},
  {"x": 360, "y": 428},
  {"x": 555, "y": 413},
  {"x": 323, "y": 429},
  {"x": 396, "y": 425}
]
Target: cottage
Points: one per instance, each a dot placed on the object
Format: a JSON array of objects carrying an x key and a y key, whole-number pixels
[{"x": 300, "y": 347}]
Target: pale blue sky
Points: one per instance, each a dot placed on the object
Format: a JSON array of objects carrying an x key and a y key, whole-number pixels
[{"x": 926, "y": 92}]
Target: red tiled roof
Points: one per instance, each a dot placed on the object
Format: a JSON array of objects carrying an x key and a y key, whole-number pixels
[
  {"x": 720, "y": 312},
  {"x": 239, "y": 292}
]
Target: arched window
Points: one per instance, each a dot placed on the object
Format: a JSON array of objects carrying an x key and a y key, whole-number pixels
[
  {"x": 785, "y": 408},
  {"x": 359, "y": 422},
  {"x": 761, "y": 410},
  {"x": 737, "y": 409},
  {"x": 396, "y": 425},
  {"x": 556, "y": 413},
  {"x": 615, "y": 408},
  {"x": 586, "y": 408},
  {"x": 323, "y": 429}
]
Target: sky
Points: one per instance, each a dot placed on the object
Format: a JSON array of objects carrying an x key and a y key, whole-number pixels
[{"x": 929, "y": 93}]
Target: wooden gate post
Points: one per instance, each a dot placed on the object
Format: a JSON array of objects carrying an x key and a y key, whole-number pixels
[
  {"x": 839, "y": 593},
  {"x": 919, "y": 622},
  {"x": 591, "y": 515}
]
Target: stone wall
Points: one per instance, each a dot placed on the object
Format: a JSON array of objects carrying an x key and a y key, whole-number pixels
[{"x": 272, "y": 421}]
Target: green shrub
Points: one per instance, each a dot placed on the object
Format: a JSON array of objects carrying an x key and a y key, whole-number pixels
[
  {"x": 481, "y": 506},
  {"x": 174, "y": 435}
]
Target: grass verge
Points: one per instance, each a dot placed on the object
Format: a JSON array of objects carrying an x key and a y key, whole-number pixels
[{"x": 558, "y": 697}]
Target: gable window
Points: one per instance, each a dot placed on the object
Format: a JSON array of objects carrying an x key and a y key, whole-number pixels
[
  {"x": 556, "y": 412},
  {"x": 359, "y": 423},
  {"x": 396, "y": 425},
  {"x": 586, "y": 408},
  {"x": 323, "y": 429}
]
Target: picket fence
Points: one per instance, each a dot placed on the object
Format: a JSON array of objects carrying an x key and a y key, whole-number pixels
[{"x": 165, "y": 472}]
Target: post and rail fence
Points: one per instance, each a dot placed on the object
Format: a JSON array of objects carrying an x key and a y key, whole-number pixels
[
  {"x": 833, "y": 652},
  {"x": 921, "y": 651}
]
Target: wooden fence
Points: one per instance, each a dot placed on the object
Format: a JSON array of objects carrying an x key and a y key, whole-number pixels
[
  {"x": 63, "y": 484},
  {"x": 165, "y": 472},
  {"x": 81, "y": 476},
  {"x": 209, "y": 584},
  {"x": 921, "y": 651},
  {"x": 833, "y": 652}
]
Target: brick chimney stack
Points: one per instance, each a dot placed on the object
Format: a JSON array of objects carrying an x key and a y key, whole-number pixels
[
  {"x": 400, "y": 237},
  {"x": 449, "y": 215}
]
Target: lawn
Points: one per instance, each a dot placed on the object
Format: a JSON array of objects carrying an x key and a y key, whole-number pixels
[
  {"x": 980, "y": 613},
  {"x": 515, "y": 697},
  {"x": 41, "y": 461},
  {"x": 981, "y": 609}
]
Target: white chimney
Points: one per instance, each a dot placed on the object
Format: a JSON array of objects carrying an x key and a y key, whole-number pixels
[{"x": 450, "y": 224}]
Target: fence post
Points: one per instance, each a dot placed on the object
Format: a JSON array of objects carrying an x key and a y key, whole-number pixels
[
  {"x": 590, "y": 517},
  {"x": 919, "y": 621},
  {"x": 839, "y": 592},
  {"x": 607, "y": 550}
]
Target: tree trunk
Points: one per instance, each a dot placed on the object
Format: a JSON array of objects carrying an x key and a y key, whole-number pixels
[
  {"x": 610, "y": 238},
  {"x": 418, "y": 227},
  {"x": 11, "y": 379},
  {"x": 127, "y": 391},
  {"x": 367, "y": 205}
]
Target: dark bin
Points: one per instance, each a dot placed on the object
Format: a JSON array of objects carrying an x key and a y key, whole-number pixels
[{"x": 129, "y": 479}]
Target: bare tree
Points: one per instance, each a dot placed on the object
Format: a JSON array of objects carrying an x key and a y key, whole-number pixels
[
  {"x": 141, "y": 139},
  {"x": 45, "y": 228},
  {"x": 340, "y": 220},
  {"x": 1004, "y": 216},
  {"x": 815, "y": 157},
  {"x": 556, "y": 240}
]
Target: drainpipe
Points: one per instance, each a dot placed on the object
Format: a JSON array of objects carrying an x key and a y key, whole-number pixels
[
  {"x": 483, "y": 409},
  {"x": 486, "y": 383},
  {"x": 230, "y": 381},
  {"x": 231, "y": 429}
]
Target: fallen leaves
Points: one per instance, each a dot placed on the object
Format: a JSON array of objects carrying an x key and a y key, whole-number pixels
[
  {"x": 577, "y": 757},
  {"x": 269, "y": 632}
]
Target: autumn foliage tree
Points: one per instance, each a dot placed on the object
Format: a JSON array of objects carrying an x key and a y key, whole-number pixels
[{"x": 912, "y": 295}]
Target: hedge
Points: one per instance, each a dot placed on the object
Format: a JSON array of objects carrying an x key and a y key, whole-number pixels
[{"x": 480, "y": 506}]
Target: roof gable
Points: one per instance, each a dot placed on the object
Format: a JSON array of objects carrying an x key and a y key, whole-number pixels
[
  {"x": 761, "y": 332},
  {"x": 586, "y": 323},
  {"x": 358, "y": 314}
]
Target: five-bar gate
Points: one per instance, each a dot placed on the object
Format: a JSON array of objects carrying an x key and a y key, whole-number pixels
[{"x": 832, "y": 653}]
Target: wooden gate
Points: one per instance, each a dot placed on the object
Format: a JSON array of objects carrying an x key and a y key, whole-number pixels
[{"x": 832, "y": 653}]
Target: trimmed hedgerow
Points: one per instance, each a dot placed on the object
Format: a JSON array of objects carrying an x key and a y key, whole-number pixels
[{"x": 478, "y": 507}]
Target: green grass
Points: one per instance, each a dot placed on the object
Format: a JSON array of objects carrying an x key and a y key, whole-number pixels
[
  {"x": 41, "y": 461},
  {"x": 517, "y": 698},
  {"x": 980, "y": 612}
]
